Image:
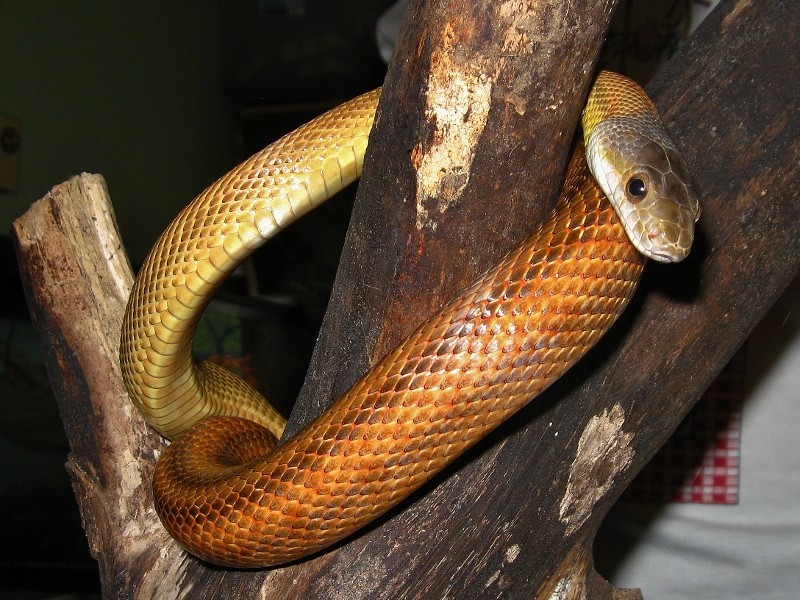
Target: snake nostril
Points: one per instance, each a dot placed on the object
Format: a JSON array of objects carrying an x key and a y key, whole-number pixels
[{"x": 654, "y": 233}]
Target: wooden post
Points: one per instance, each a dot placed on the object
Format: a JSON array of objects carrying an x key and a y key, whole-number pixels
[{"x": 517, "y": 515}]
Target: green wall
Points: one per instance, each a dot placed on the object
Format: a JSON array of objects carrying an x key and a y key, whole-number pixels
[{"x": 125, "y": 89}]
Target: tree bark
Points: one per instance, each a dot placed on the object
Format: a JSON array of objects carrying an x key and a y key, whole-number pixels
[
  {"x": 445, "y": 196},
  {"x": 516, "y": 517}
]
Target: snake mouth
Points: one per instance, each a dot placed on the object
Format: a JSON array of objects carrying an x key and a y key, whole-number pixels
[
  {"x": 673, "y": 254},
  {"x": 664, "y": 254},
  {"x": 661, "y": 255},
  {"x": 665, "y": 258},
  {"x": 654, "y": 244}
]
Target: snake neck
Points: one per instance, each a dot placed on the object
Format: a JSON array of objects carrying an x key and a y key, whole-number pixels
[{"x": 613, "y": 95}]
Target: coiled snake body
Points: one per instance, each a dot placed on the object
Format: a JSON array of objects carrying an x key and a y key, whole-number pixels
[{"x": 226, "y": 493}]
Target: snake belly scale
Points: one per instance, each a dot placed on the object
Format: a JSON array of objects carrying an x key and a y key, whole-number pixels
[{"x": 226, "y": 492}]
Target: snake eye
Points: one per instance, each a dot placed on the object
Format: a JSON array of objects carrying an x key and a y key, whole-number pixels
[{"x": 636, "y": 189}]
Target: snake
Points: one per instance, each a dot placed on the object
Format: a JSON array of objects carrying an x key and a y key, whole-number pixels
[{"x": 224, "y": 487}]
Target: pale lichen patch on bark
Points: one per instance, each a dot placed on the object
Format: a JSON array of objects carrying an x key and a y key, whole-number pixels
[
  {"x": 604, "y": 451},
  {"x": 457, "y": 107}
]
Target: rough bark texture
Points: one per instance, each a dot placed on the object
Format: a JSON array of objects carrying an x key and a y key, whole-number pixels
[
  {"x": 516, "y": 517},
  {"x": 475, "y": 113},
  {"x": 77, "y": 280}
]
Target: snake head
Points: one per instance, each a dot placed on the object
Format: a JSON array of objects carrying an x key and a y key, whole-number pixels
[{"x": 645, "y": 178}]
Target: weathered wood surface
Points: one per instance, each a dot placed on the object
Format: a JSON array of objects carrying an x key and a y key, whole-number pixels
[
  {"x": 510, "y": 519},
  {"x": 444, "y": 197},
  {"x": 77, "y": 279}
]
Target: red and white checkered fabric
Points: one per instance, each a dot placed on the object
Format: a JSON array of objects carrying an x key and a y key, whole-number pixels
[{"x": 700, "y": 463}]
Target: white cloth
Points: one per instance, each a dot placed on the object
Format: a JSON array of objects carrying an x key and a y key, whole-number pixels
[{"x": 747, "y": 551}]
